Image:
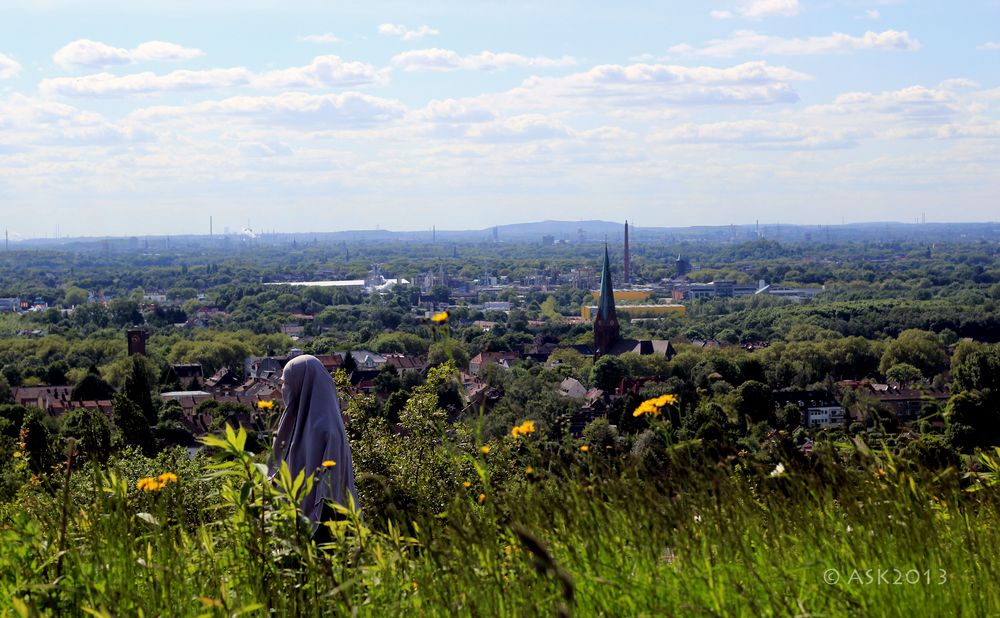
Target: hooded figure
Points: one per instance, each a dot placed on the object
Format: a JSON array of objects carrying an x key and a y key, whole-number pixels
[{"x": 311, "y": 432}]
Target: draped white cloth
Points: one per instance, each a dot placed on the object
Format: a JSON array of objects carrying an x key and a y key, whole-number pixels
[{"x": 310, "y": 432}]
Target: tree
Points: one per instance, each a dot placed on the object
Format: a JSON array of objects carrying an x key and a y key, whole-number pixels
[
  {"x": 92, "y": 388},
  {"x": 903, "y": 373},
  {"x": 608, "y": 372},
  {"x": 919, "y": 348},
  {"x": 92, "y": 433},
  {"x": 139, "y": 390},
  {"x": 37, "y": 444},
  {"x": 131, "y": 426},
  {"x": 350, "y": 365},
  {"x": 73, "y": 296},
  {"x": 972, "y": 421},
  {"x": 753, "y": 401}
]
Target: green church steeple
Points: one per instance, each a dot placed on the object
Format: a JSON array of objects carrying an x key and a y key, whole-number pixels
[{"x": 606, "y": 328}]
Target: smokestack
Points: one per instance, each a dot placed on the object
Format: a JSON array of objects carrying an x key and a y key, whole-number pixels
[{"x": 628, "y": 258}]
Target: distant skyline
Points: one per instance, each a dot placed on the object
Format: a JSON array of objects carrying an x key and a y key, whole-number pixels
[{"x": 123, "y": 118}]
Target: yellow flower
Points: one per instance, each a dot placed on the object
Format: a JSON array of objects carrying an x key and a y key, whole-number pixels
[
  {"x": 484, "y": 449},
  {"x": 880, "y": 473},
  {"x": 329, "y": 463},
  {"x": 466, "y": 484},
  {"x": 167, "y": 477},
  {"x": 529, "y": 470},
  {"x": 482, "y": 498},
  {"x": 653, "y": 406},
  {"x": 523, "y": 429},
  {"x": 440, "y": 318},
  {"x": 265, "y": 405},
  {"x": 18, "y": 454},
  {"x": 584, "y": 448},
  {"x": 149, "y": 484}
]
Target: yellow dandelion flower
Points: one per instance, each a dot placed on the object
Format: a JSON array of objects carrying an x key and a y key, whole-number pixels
[
  {"x": 167, "y": 477},
  {"x": 584, "y": 448},
  {"x": 484, "y": 449},
  {"x": 440, "y": 318},
  {"x": 466, "y": 484},
  {"x": 329, "y": 463},
  {"x": 523, "y": 429},
  {"x": 880, "y": 473},
  {"x": 18, "y": 454},
  {"x": 653, "y": 406},
  {"x": 265, "y": 405},
  {"x": 210, "y": 602},
  {"x": 529, "y": 470},
  {"x": 148, "y": 484},
  {"x": 482, "y": 498}
]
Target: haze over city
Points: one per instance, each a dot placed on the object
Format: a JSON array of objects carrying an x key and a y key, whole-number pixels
[{"x": 127, "y": 119}]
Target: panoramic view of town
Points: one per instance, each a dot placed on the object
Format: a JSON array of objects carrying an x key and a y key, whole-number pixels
[{"x": 539, "y": 309}]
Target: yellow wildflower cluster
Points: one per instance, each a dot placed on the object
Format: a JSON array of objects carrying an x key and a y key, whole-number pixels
[
  {"x": 265, "y": 405},
  {"x": 149, "y": 483},
  {"x": 523, "y": 429},
  {"x": 440, "y": 318},
  {"x": 654, "y": 406}
]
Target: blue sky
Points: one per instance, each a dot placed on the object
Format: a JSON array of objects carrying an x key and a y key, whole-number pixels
[{"x": 131, "y": 118}]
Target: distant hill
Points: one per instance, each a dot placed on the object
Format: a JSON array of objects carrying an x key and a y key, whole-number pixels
[{"x": 574, "y": 232}]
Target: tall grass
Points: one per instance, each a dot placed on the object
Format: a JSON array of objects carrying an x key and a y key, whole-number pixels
[{"x": 689, "y": 537}]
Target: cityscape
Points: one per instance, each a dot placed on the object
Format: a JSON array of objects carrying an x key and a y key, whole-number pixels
[{"x": 499, "y": 309}]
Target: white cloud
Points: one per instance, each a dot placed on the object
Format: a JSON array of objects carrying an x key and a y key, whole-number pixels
[
  {"x": 8, "y": 67},
  {"x": 94, "y": 54},
  {"x": 524, "y": 128},
  {"x": 326, "y": 37},
  {"x": 757, "y": 133},
  {"x": 914, "y": 103},
  {"x": 991, "y": 46},
  {"x": 323, "y": 71},
  {"x": 638, "y": 85},
  {"x": 109, "y": 85},
  {"x": 266, "y": 150},
  {"x": 748, "y": 41},
  {"x": 759, "y": 9},
  {"x": 30, "y": 122},
  {"x": 873, "y": 14},
  {"x": 447, "y": 60},
  {"x": 401, "y": 31},
  {"x": 291, "y": 109},
  {"x": 456, "y": 112}
]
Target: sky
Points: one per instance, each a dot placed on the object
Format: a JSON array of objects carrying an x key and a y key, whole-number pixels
[{"x": 150, "y": 118}]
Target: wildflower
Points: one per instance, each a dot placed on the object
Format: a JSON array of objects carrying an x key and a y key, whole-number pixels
[
  {"x": 149, "y": 484},
  {"x": 413, "y": 585},
  {"x": 482, "y": 498},
  {"x": 18, "y": 454},
  {"x": 329, "y": 463},
  {"x": 167, "y": 477},
  {"x": 523, "y": 429},
  {"x": 466, "y": 484},
  {"x": 440, "y": 318},
  {"x": 529, "y": 470},
  {"x": 484, "y": 449},
  {"x": 210, "y": 602},
  {"x": 265, "y": 405},
  {"x": 778, "y": 469},
  {"x": 584, "y": 448},
  {"x": 880, "y": 473},
  {"x": 654, "y": 406}
]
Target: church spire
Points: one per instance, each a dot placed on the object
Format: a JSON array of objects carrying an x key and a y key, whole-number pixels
[{"x": 606, "y": 329}]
